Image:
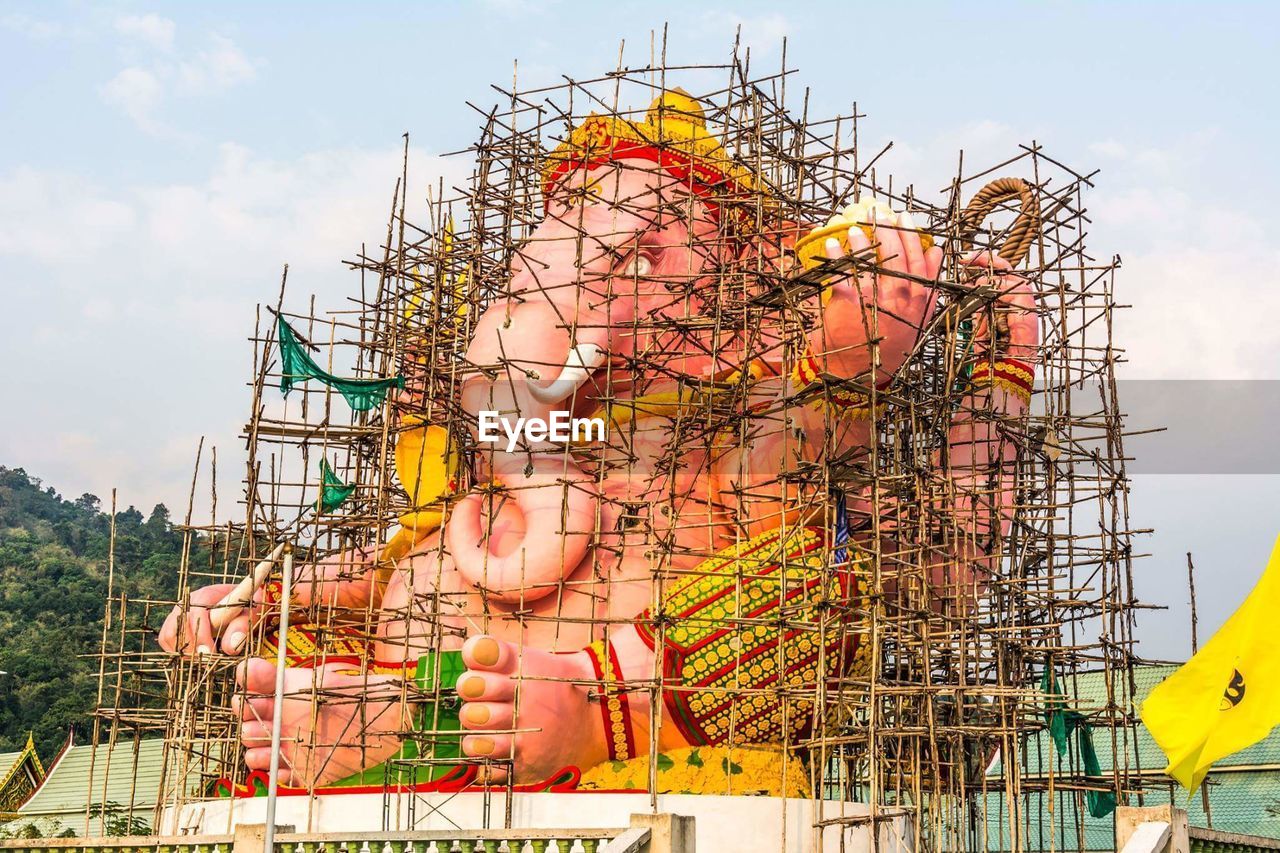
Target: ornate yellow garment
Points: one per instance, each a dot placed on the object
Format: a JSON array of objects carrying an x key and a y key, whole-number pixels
[
  {"x": 309, "y": 645},
  {"x": 614, "y": 708},
  {"x": 838, "y": 399},
  {"x": 739, "y": 637}
]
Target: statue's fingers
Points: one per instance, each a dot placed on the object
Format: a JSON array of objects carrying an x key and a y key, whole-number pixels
[
  {"x": 199, "y": 636},
  {"x": 892, "y": 256},
  {"x": 911, "y": 246},
  {"x": 985, "y": 258},
  {"x": 235, "y": 634},
  {"x": 1013, "y": 291},
  {"x": 860, "y": 244},
  {"x": 1016, "y": 322},
  {"x": 858, "y": 241},
  {"x": 168, "y": 637}
]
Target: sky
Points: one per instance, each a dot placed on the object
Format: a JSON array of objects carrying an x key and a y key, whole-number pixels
[{"x": 161, "y": 162}]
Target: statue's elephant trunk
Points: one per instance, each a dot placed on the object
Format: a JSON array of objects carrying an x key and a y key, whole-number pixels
[
  {"x": 556, "y": 505},
  {"x": 536, "y": 523}
]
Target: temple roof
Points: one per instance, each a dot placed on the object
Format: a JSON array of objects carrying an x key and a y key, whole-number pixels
[
  {"x": 128, "y": 783},
  {"x": 1240, "y": 790},
  {"x": 20, "y": 773}
]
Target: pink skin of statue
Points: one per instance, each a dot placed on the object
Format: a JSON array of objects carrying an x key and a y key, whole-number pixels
[
  {"x": 550, "y": 540},
  {"x": 357, "y": 724},
  {"x": 881, "y": 308},
  {"x": 542, "y": 696}
]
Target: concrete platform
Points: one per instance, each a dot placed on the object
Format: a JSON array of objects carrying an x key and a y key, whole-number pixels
[{"x": 722, "y": 822}]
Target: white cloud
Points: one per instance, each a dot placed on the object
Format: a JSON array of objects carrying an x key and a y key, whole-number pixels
[
  {"x": 30, "y": 27},
  {"x": 150, "y": 29},
  {"x": 198, "y": 238},
  {"x": 1109, "y": 149},
  {"x": 221, "y": 66},
  {"x": 1202, "y": 279},
  {"x": 140, "y": 300},
  {"x": 1199, "y": 272},
  {"x": 1199, "y": 268},
  {"x": 136, "y": 92},
  {"x": 519, "y": 8},
  {"x": 141, "y": 90}
]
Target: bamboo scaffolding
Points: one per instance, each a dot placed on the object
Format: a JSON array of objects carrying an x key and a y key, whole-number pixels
[{"x": 950, "y": 688}]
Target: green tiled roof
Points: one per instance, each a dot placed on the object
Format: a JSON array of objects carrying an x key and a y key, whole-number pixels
[
  {"x": 118, "y": 776},
  {"x": 7, "y": 760},
  {"x": 1087, "y": 693},
  {"x": 1243, "y": 789}
]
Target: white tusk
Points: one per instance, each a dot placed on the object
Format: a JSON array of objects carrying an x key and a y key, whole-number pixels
[
  {"x": 583, "y": 360},
  {"x": 221, "y": 614}
]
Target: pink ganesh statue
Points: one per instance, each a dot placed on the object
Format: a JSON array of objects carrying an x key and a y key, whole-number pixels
[{"x": 656, "y": 591}]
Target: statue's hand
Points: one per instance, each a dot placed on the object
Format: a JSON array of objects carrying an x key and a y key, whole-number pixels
[
  {"x": 874, "y": 316},
  {"x": 190, "y": 630},
  {"x": 1010, "y": 326}
]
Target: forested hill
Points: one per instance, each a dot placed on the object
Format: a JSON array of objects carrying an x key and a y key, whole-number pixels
[{"x": 53, "y": 586}]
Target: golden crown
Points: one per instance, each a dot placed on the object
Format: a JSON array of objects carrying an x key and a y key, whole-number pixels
[{"x": 673, "y": 135}]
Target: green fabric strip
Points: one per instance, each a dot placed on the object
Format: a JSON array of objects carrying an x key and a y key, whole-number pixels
[
  {"x": 297, "y": 365},
  {"x": 333, "y": 492},
  {"x": 1061, "y": 723}
]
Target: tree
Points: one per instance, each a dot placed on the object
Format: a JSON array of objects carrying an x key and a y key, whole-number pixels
[
  {"x": 117, "y": 822},
  {"x": 53, "y": 589}
]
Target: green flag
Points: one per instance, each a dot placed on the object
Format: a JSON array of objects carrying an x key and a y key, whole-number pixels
[
  {"x": 297, "y": 365},
  {"x": 333, "y": 492},
  {"x": 1061, "y": 723}
]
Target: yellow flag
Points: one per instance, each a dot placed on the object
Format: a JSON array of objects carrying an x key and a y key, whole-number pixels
[{"x": 1227, "y": 697}]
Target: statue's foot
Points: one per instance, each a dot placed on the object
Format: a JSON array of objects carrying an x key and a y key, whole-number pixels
[
  {"x": 333, "y": 723},
  {"x": 529, "y": 711}
]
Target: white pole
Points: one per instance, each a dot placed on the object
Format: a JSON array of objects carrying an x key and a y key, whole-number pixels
[{"x": 282, "y": 658}]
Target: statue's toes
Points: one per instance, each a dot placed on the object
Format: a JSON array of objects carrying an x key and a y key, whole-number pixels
[
  {"x": 259, "y": 758},
  {"x": 254, "y": 733},
  {"x": 491, "y": 670},
  {"x": 256, "y": 677},
  {"x": 490, "y": 654},
  {"x": 494, "y": 747},
  {"x": 487, "y": 716},
  {"x": 480, "y": 686},
  {"x": 256, "y": 709}
]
